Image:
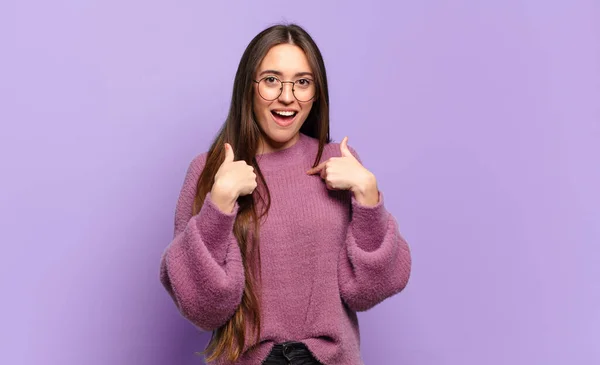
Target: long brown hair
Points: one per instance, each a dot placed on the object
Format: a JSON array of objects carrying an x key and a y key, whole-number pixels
[{"x": 241, "y": 131}]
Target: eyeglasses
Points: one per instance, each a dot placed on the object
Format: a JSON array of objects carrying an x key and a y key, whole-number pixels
[{"x": 270, "y": 88}]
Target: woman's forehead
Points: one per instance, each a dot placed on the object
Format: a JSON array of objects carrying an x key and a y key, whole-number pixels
[{"x": 286, "y": 60}]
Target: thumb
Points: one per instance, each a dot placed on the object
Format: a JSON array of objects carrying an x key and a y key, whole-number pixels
[
  {"x": 344, "y": 148},
  {"x": 229, "y": 156}
]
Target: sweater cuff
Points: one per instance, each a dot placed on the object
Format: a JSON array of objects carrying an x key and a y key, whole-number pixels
[
  {"x": 369, "y": 224},
  {"x": 215, "y": 227}
]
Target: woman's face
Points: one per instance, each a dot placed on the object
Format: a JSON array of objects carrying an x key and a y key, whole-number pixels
[{"x": 280, "y": 115}]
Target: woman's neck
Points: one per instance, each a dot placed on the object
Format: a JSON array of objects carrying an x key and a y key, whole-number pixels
[
  {"x": 277, "y": 158},
  {"x": 267, "y": 146}
]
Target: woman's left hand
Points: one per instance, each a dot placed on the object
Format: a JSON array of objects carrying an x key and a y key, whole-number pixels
[{"x": 347, "y": 173}]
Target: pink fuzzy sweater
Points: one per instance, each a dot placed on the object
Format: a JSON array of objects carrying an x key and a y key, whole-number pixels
[{"x": 324, "y": 257}]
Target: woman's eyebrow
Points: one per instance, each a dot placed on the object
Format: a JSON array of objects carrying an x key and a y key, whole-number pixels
[{"x": 278, "y": 73}]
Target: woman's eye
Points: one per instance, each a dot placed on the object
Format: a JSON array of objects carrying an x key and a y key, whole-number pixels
[
  {"x": 271, "y": 79},
  {"x": 303, "y": 82}
]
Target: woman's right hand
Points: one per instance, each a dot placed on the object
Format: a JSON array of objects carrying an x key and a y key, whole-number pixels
[{"x": 232, "y": 180}]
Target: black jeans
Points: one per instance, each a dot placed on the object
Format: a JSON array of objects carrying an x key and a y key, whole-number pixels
[{"x": 290, "y": 353}]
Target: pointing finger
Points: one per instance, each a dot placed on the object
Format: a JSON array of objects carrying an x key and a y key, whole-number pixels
[{"x": 316, "y": 169}]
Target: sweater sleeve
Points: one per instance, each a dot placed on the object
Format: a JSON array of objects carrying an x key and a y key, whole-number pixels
[
  {"x": 375, "y": 261},
  {"x": 202, "y": 268}
]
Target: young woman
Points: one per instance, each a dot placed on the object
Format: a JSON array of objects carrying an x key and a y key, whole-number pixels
[{"x": 281, "y": 236}]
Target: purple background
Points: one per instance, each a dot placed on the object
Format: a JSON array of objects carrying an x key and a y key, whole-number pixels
[{"x": 481, "y": 121}]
